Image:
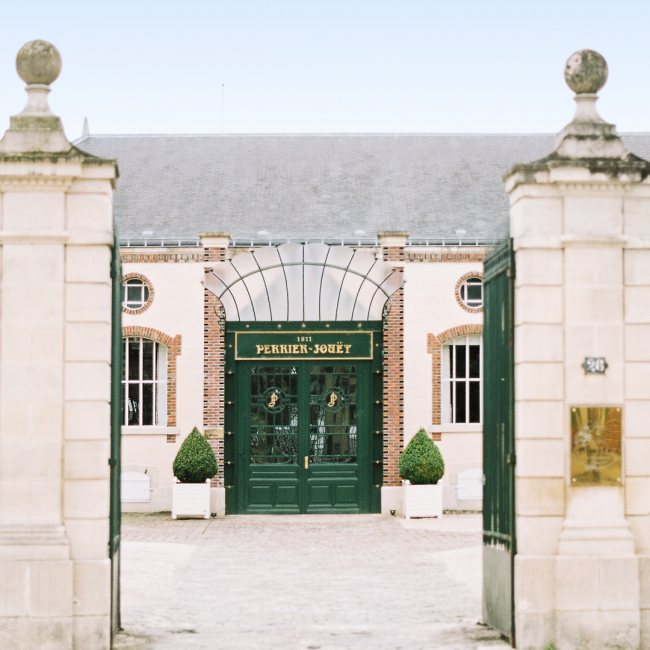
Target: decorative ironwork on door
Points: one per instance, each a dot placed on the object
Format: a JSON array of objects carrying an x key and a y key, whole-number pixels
[
  {"x": 333, "y": 414},
  {"x": 274, "y": 415},
  {"x": 303, "y": 431},
  {"x": 303, "y": 434}
]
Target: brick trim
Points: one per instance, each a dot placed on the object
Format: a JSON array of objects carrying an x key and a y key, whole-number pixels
[
  {"x": 393, "y": 253},
  {"x": 393, "y": 391},
  {"x": 148, "y": 284},
  {"x": 214, "y": 254},
  {"x": 129, "y": 257},
  {"x": 393, "y": 394},
  {"x": 213, "y": 365},
  {"x": 434, "y": 348},
  {"x": 419, "y": 256},
  {"x": 471, "y": 274},
  {"x": 173, "y": 346}
]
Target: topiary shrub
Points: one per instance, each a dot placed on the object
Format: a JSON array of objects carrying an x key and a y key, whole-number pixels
[
  {"x": 421, "y": 462},
  {"x": 195, "y": 461}
]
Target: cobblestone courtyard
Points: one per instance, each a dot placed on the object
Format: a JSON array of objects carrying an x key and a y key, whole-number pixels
[{"x": 302, "y": 582}]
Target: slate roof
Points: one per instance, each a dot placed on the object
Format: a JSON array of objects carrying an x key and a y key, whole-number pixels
[{"x": 303, "y": 187}]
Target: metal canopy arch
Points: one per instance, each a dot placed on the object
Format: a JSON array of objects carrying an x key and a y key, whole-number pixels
[{"x": 310, "y": 282}]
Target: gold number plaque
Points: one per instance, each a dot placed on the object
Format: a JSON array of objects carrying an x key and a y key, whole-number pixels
[{"x": 596, "y": 445}]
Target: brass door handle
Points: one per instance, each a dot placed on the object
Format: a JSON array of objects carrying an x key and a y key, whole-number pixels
[{"x": 306, "y": 462}]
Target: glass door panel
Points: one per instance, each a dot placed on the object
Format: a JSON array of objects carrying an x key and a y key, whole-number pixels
[
  {"x": 333, "y": 414},
  {"x": 332, "y": 471},
  {"x": 303, "y": 438},
  {"x": 273, "y": 476},
  {"x": 274, "y": 415}
]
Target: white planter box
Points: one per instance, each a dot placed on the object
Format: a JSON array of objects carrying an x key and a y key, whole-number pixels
[
  {"x": 421, "y": 500},
  {"x": 191, "y": 499}
]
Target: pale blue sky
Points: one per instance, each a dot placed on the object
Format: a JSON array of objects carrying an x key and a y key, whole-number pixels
[{"x": 143, "y": 66}]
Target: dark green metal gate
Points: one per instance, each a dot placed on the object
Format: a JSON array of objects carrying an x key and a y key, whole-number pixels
[
  {"x": 117, "y": 400},
  {"x": 303, "y": 431},
  {"x": 499, "y": 541}
]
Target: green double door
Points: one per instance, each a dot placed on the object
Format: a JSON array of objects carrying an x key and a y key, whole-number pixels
[{"x": 303, "y": 437}]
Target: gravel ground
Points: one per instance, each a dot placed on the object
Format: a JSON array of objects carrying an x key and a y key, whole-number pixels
[{"x": 352, "y": 582}]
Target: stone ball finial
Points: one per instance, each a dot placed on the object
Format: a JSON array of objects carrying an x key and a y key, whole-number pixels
[
  {"x": 585, "y": 72},
  {"x": 38, "y": 62}
]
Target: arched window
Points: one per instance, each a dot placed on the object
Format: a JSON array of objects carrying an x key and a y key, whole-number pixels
[
  {"x": 145, "y": 382},
  {"x": 462, "y": 379}
]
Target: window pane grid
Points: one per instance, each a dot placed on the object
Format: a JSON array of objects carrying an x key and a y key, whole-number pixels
[
  {"x": 142, "y": 383},
  {"x": 465, "y": 363},
  {"x": 471, "y": 292},
  {"x": 136, "y": 294}
]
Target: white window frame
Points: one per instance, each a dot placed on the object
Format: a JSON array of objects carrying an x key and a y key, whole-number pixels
[
  {"x": 159, "y": 381},
  {"x": 134, "y": 305},
  {"x": 471, "y": 303},
  {"x": 448, "y": 396}
]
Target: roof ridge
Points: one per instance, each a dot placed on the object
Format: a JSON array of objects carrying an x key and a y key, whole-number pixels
[{"x": 310, "y": 135}]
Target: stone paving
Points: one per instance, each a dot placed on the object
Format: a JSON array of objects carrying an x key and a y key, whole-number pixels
[{"x": 351, "y": 582}]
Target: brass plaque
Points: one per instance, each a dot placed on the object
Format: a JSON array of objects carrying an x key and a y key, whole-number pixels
[{"x": 596, "y": 445}]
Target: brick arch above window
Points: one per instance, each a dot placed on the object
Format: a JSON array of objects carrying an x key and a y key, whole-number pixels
[
  {"x": 434, "y": 348},
  {"x": 153, "y": 334},
  {"x": 173, "y": 345},
  {"x": 453, "y": 333}
]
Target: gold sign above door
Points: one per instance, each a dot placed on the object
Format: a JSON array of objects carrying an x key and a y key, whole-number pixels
[{"x": 301, "y": 345}]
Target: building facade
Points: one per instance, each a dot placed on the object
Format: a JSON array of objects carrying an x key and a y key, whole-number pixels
[{"x": 244, "y": 256}]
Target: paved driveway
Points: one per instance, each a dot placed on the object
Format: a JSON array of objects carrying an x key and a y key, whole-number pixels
[{"x": 302, "y": 582}]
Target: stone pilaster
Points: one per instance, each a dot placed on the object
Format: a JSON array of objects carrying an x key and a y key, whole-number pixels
[
  {"x": 56, "y": 236},
  {"x": 580, "y": 222}
]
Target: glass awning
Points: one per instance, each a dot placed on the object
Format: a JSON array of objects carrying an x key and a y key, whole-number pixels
[{"x": 310, "y": 282}]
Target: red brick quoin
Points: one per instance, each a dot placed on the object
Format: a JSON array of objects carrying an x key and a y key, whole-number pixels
[
  {"x": 394, "y": 376},
  {"x": 173, "y": 346},
  {"x": 393, "y": 393},
  {"x": 434, "y": 348},
  {"x": 147, "y": 282},
  {"x": 213, "y": 367}
]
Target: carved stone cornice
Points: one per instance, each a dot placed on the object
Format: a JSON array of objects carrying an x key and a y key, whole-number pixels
[
  {"x": 35, "y": 182},
  {"x": 580, "y": 241},
  {"x": 631, "y": 169},
  {"x": 79, "y": 238}
]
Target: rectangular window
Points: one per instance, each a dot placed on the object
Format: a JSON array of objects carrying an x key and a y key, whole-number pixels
[
  {"x": 145, "y": 383},
  {"x": 462, "y": 373}
]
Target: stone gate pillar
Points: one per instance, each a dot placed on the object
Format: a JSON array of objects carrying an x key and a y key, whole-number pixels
[
  {"x": 580, "y": 222},
  {"x": 56, "y": 234}
]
